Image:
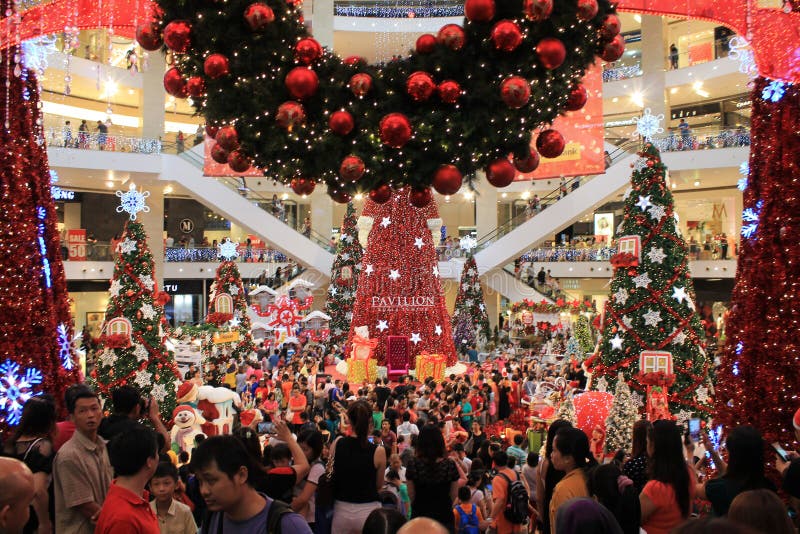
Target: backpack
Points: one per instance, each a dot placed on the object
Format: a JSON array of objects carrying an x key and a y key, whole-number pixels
[
  {"x": 468, "y": 524},
  {"x": 516, "y": 510},
  {"x": 390, "y": 499},
  {"x": 277, "y": 510}
]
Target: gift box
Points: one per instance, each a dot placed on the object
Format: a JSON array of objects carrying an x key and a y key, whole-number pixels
[
  {"x": 359, "y": 370},
  {"x": 430, "y": 365}
]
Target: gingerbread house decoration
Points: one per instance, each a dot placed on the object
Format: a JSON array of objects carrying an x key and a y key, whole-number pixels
[
  {"x": 120, "y": 326},
  {"x": 316, "y": 320},
  {"x": 631, "y": 244},
  {"x": 262, "y": 296},
  {"x": 223, "y": 303},
  {"x": 655, "y": 361}
]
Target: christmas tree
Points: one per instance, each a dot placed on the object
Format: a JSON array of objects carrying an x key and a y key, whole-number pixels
[
  {"x": 469, "y": 315},
  {"x": 399, "y": 292},
  {"x": 583, "y": 334},
  {"x": 757, "y": 380},
  {"x": 227, "y": 309},
  {"x": 36, "y": 329},
  {"x": 620, "y": 420},
  {"x": 344, "y": 279},
  {"x": 651, "y": 313},
  {"x": 566, "y": 411},
  {"x": 132, "y": 350}
]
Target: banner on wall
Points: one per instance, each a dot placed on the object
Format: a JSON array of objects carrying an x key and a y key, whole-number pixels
[
  {"x": 212, "y": 168},
  {"x": 583, "y": 131},
  {"x": 76, "y": 245}
]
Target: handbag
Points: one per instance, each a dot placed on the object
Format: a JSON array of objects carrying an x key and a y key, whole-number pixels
[{"x": 325, "y": 496}]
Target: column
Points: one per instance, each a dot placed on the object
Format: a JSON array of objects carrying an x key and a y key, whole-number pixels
[
  {"x": 153, "y": 223},
  {"x": 654, "y": 59},
  {"x": 321, "y": 207},
  {"x": 485, "y": 205},
  {"x": 322, "y": 22},
  {"x": 151, "y": 101}
]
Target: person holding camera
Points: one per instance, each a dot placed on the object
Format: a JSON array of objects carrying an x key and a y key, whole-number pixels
[{"x": 128, "y": 407}]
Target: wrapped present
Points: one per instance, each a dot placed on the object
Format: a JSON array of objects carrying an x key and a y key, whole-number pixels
[
  {"x": 430, "y": 365},
  {"x": 363, "y": 348},
  {"x": 359, "y": 370}
]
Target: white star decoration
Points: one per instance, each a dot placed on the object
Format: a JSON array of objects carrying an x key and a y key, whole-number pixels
[
  {"x": 415, "y": 338},
  {"x": 435, "y": 270},
  {"x": 702, "y": 394},
  {"x": 438, "y": 330},
  {"x": 382, "y": 325},
  {"x": 394, "y": 274},
  {"x": 643, "y": 280},
  {"x": 616, "y": 342},
  {"x": 679, "y": 294},
  {"x": 332, "y": 290},
  {"x": 108, "y": 358},
  {"x": 143, "y": 378},
  {"x": 679, "y": 338},
  {"x": 115, "y": 288},
  {"x": 233, "y": 289},
  {"x": 348, "y": 238},
  {"x": 147, "y": 281},
  {"x": 369, "y": 269},
  {"x": 227, "y": 250},
  {"x": 627, "y": 321},
  {"x": 652, "y": 318},
  {"x": 621, "y": 295},
  {"x": 657, "y": 212},
  {"x": 418, "y": 243},
  {"x": 345, "y": 256},
  {"x": 159, "y": 392},
  {"x": 140, "y": 352},
  {"x": 148, "y": 312},
  {"x": 644, "y": 202},
  {"x": 235, "y": 322},
  {"x": 385, "y": 222},
  {"x": 682, "y": 417},
  {"x": 656, "y": 255},
  {"x": 127, "y": 246}
]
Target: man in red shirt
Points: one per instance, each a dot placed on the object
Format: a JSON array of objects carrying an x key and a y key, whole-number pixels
[{"x": 126, "y": 510}]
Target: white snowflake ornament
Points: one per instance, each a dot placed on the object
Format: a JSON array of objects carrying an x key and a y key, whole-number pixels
[
  {"x": 143, "y": 378},
  {"x": 656, "y": 255},
  {"x": 116, "y": 287},
  {"x": 227, "y": 250},
  {"x": 16, "y": 388},
  {"x": 148, "y": 312},
  {"x": 127, "y": 246},
  {"x": 648, "y": 124},
  {"x": 652, "y": 318},
  {"x": 702, "y": 394},
  {"x": 621, "y": 295},
  {"x": 140, "y": 351},
  {"x": 147, "y": 281},
  {"x": 133, "y": 201},
  {"x": 159, "y": 392},
  {"x": 108, "y": 358},
  {"x": 643, "y": 280}
]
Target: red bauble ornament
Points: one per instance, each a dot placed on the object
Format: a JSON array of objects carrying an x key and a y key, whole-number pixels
[
  {"x": 302, "y": 83},
  {"x": 360, "y": 83},
  {"x": 238, "y": 161},
  {"x": 259, "y": 16},
  {"x": 479, "y": 10},
  {"x": 528, "y": 164},
  {"x": 290, "y": 114},
  {"x": 420, "y": 198},
  {"x": 587, "y": 9},
  {"x": 506, "y": 35},
  {"x": 219, "y": 154},
  {"x": 551, "y": 52},
  {"x": 148, "y": 36},
  {"x": 341, "y": 122},
  {"x": 537, "y": 10},
  {"x": 452, "y": 36},
  {"x": 216, "y": 66},
  {"x": 613, "y": 50},
  {"x": 177, "y": 36},
  {"x": 447, "y": 180},
  {"x": 303, "y": 186},
  {"x": 611, "y": 27},
  {"x": 500, "y": 173},
  {"x": 195, "y": 86},
  {"x": 212, "y": 130},
  {"x": 515, "y": 91},
  {"x": 381, "y": 194},
  {"x": 577, "y": 98},
  {"x": 550, "y": 143},
  {"x": 174, "y": 83},
  {"x": 395, "y": 130},
  {"x": 352, "y": 61},
  {"x": 129, "y": 293},
  {"x": 352, "y": 168},
  {"x": 227, "y": 138},
  {"x": 420, "y": 86},
  {"x": 307, "y": 51},
  {"x": 426, "y": 43},
  {"x": 449, "y": 91},
  {"x": 339, "y": 196}
]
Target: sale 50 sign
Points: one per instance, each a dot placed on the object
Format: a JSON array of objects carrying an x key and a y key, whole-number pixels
[{"x": 76, "y": 245}]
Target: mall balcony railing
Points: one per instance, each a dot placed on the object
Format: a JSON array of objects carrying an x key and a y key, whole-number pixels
[
  {"x": 211, "y": 254},
  {"x": 623, "y": 72},
  {"x": 702, "y": 139},
  {"x": 391, "y": 9},
  {"x": 567, "y": 254},
  {"x": 63, "y": 138}
]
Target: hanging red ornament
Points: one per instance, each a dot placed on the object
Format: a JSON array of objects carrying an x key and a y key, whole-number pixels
[
  {"x": 381, "y": 194},
  {"x": 395, "y": 130},
  {"x": 219, "y": 154},
  {"x": 177, "y": 36},
  {"x": 258, "y": 16},
  {"x": 500, "y": 173},
  {"x": 613, "y": 50},
  {"x": 195, "y": 86},
  {"x": 426, "y": 43},
  {"x": 420, "y": 86},
  {"x": 352, "y": 168},
  {"x": 238, "y": 161},
  {"x": 447, "y": 180},
  {"x": 587, "y": 9},
  {"x": 302, "y": 186},
  {"x": 216, "y": 66},
  {"x": 528, "y": 164},
  {"x": 452, "y": 36},
  {"x": 577, "y": 98},
  {"x": 307, "y": 51},
  {"x": 352, "y": 61},
  {"x": 506, "y": 35},
  {"x": 449, "y": 91},
  {"x": 550, "y": 143},
  {"x": 515, "y": 91},
  {"x": 479, "y": 10},
  {"x": 212, "y": 130},
  {"x": 551, "y": 52},
  {"x": 302, "y": 83},
  {"x": 227, "y": 138},
  {"x": 339, "y": 196},
  {"x": 174, "y": 83},
  {"x": 129, "y": 293},
  {"x": 148, "y": 36},
  {"x": 360, "y": 83},
  {"x": 290, "y": 114},
  {"x": 420, "y": 198},
  {"x": 611, "y": 27},
  {"x": 341, "y": 122},
  {"x": 538, "y": 10}
]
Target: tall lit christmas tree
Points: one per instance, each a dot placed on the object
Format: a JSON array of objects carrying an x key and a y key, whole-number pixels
[
  {"x": 758, "y": 379},
  {"x": 36, "y": 327},
  {"x": 469, "y": 315},
  {"x": 650, "y": 315},
  {"x": 399, "y": 292},
  {"x": 344, "y": 279},
  {"x": 132, "y": 347},
  {"x": 227, "y": 309},
  {"x": 619, "y": 424}
]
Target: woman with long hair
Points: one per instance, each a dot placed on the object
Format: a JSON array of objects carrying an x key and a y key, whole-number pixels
[
  {"x": 358, "y": 470},
  {"x": 666, "y": 498},
  {"x": 572, "y": 456},
  {"x": 761, "y": 510},
  {"x": 636, "y": 467},
  {"x": 548, "y": 476},
  {"x": 311, "y": 444},
  {"x": 617, "y": 493}
]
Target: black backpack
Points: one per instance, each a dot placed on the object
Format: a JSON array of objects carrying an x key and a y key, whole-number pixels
[
  {"x": 516, "y": 510},
  {"x": 277, "y": 510}
]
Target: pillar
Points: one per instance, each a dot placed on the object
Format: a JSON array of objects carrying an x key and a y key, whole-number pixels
[
  {"x": 153, "y": 223},
  {"x": 151, "y": 101},
  {"x": 321, "y": 205},
  {"x": 322, "y": 22},
  {"x": 654, "y": 61},
  {"x": 485, "y": 205}
]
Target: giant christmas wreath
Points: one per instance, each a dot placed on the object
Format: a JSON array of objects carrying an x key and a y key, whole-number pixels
[{"x": 463, "y": 100}]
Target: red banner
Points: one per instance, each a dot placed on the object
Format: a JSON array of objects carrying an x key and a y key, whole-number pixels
[
  {"x": 583, "y": 131},
  {"x": 76, "y": 245}
]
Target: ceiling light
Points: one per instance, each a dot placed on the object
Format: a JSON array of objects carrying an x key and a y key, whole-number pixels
[
  {"x": 673, "y": 91},
  {"x": 285, "y": 196},
  {"x": 131, "y": 91},
  {"x": 637, "y": 18},
  {"x": 467, "y": 195},
  {"x": 674, "y": 185},
  {"x": 110, "y": 88},
  {"x": 526, "y": 195},
  {"x": 358, "y": 197},
  {"x": 697, "y": 183},
  {"x": 638, "y": 99},
  {"x": 504, "y": 195},
  {"x": 110, "y": 184},
  {"x": 168, "y": 190},
  {"x": 615, "y": 100}
]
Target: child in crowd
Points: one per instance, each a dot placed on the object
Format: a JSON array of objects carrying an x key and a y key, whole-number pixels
[
  {"x": 468, "y": 517},
  {"x": 394, "y": 482},
  {"x": 173, "y": 517}
]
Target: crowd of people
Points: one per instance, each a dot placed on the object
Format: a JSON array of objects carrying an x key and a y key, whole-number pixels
[{"x": 377, "y": 457}]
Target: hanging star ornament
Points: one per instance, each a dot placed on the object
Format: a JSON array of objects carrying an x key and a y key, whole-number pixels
[
  {"x": 437, "y": 330},
  {"x": 108, "y": 358},
  {"x": 369, "y": 269},
  {"x": 644, "y": 202},
  {"x": 140, "y": 351},
  {"x": 127, "y": 246},
  {"x": 394, "y": 274},
  {"x": 657, "y": 212},
  {"x": 415, "y": 338},
  {"x": 679, "y": 294},
  {"x": 235, "y": 322},
  {"x": 385, "y": 222},
  {"x": 147, "y": 281},
  {"x": 656, "y": 255},
  {"x": 616, "y": 342},
  {"x": 382, "y": 325},
  {"x": 702, "y": 394},
  {"x": 652, "y": 318},
  {"x": 643, "y": 280},
  {"x": 227, "y": 250},
  {"x": 680, "y": 338},
  {"x": 116, "y": 287},
  {"x": 418, "y": 243},
  {"x": 133, "y": 201},
  {"x": 435, "y": 270},
  {"x": 621, "y": 295}
]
